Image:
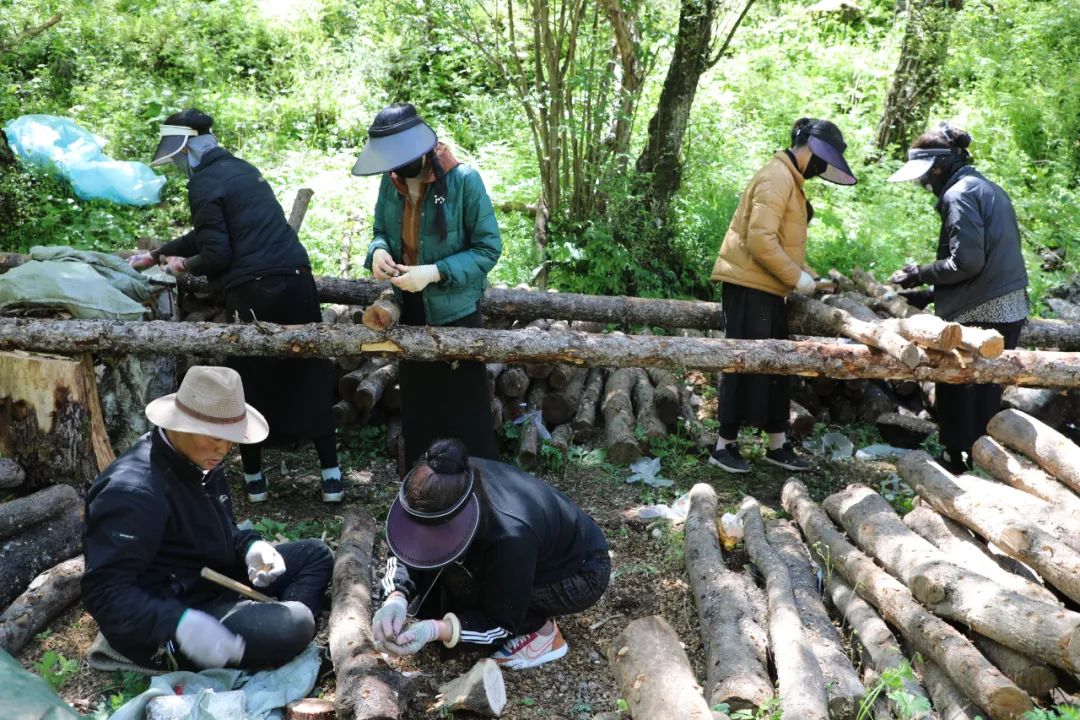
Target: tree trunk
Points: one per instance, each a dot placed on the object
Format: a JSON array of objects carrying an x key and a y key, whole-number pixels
[
  {"x": 584, "y": 422},
  {"x": 39, "y": 548},
  {"x": 382, "y": 314},
  {"x": 367, "y": 688},
  {"x": 18, "y": 515},
  {"x": 933, "y": 638},
  {"x": 11, "y": 474},
  {"x": 782, "y": 357},
  {"x": 653, "y": 673},
  {"x": 481, "y": 691},
  {"x": 529, "y": 442},
  {"x": 1022, "y": 474},
  {"x": 560, "y": 407},
  {"x": 1038, "y": 629},
  {"x": 1054, "y": 452},
  {"x": 842, "y": 685},
  {"x": 645, "y": 410},
  {"x": 916, "y": 83},
  {"x": 965, "y": 550},
  {"x": 833, "y": 321},
  {"x": 799, "y": 679},
  {"x": 980, "y": 506},
  {"x": 619, "y": 423},
  {"x": 51, "y": 419},
  {"x": 49, "y": 594},
  {"x": 735, "y": 644}
]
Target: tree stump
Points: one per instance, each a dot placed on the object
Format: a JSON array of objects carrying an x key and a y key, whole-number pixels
[
  {"x": 481, "y": 691},
  {"x": 51, "y": 420},
  {"x": 654, "y": 673}
]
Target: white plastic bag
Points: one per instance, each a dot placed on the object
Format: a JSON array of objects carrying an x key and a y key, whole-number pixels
[{"x": 647, "y": 470}]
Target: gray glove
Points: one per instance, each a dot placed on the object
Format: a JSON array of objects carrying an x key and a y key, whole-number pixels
[
  {"x": 389, "y": 619},
  {"x": 207, "y": 642}
]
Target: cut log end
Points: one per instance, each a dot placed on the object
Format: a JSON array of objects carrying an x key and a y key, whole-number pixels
[
  {"x": 481, "y": 691},
  {"x": 310, "y": 709}
]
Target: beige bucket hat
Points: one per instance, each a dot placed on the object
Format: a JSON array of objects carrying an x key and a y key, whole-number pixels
[{"x": 210, "y": 401}]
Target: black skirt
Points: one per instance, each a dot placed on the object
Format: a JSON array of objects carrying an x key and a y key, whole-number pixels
[
  {"x": 295, "y": 394},
  {"x": 763, "y": 401},
  {"x": 443, "y": 399}
]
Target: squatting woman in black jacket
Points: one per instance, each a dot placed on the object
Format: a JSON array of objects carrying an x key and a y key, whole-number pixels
[
  {"x": 978, "y": 277},
  {"x": 243, "y": 244}
]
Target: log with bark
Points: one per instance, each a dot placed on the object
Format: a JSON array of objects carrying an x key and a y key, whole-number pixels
[
  {"x": 371, "y": 388},
  {"x": 691, "y": 424},
  {"x": 665, "y": 395},
  {"x": 11, "y": 474},
  {"x": 903, "y": 431},
  {"x": 874, "y": 402},
  {"x": 842, "y": 685},
  {"x": 40, "y": 547},
  {"x": 584, "y": 422},
  {"x": 48, "y": 595},
  {"x": 781, "y": 357},
  {"x": 981, "y": 341},
  {"x": 391, "y": 399},
  {"x": 985, "y": 508},
  {"x": 620, "y": 440},
  {"x": 853, "y": 303},
  {"x": 1038, "y": 629},
  {"x": 530, "y": 442},
  {"x": 512, "y": 382},
  {"x": 561, "y": 438},
  {"x": 344, "y": 413},
  {"x": 1033, "y": 676},
  {"x": 382, "y": 314},
  {"x": 52, "y": 415},
  {"x": 964, "y": 549},
  {"x": 299, "y": 208},
  {"x": 735, "y": 643},
  {"x": 824, "y": 320},
  {"x": 800, "y": 420},
  {"x": 654, "y": 674},
  {"x": 927, "y": 330},
  {"x": 561, "y": 406},
  {"x": 481, "y": 691},
  {"x": 949, "y": 700},
  {"x": 882, "y": 295},
  {"x": 1022, "y": 474},
  {"x": 800, "y": 682},
  {"x": 561, "y": 374},
  {"x": 1042, "y": 333},
  {"x": 934, "y": 638},
  {"x": 367, "y": 688},
  {"x": 1054, "y": 452},
  {"x": 20, "y": 514},
  {"x": 648, "y": 422}
]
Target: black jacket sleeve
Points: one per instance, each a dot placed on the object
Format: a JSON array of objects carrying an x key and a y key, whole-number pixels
[
  {"x": 212, "y": 239},
  {"x": 966, "y": 234},
  {"x": 117, "y": 551},
  {"x": 183, "y": 246}
]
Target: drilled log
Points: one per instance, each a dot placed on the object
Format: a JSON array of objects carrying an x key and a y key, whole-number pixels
[
  {"x": 561, "y": 437},
  {"x": 825, "y": 320},
  {"x": 40, "y": 547},
  {"x": 902, "y": 430},
  {"x": 584, "y": 422},
  {"x": 648, "y": 422},
  {"x": 48, "y": 595},
  {"x": 784, "y": 357},
  {"x": 382, "y": 314},
  {"x": 1054, "y": 452},
  {"x": 932, "y": 637},
  {"x": 981, "y": 341},
  {"x": 513, "y": 382},
  {"x": 1038, "y": 629},
  {"x": 735, "y": 643},
  {"x": 561, "y": 406},
  {"x": 665, "y": 395},
  {"x": 853, "y": 303},
  {"x": 371, "y": 389},
  {"x": 654, "y": 674},
  {"x": 18, "y": 515},
  {"x": 529, "y": 442},
  {"x": 366, "y": 688},
  {"x": 1041, "y": 333},
  {"x": 481, "y": 691},
  {"x": 982, "y": 506},
  {"x": 1022, "y": 474},
  {"x": 873, "y": 403},
  {"x": 619, "y": 422},
  {"x": 842, "y": 685}
]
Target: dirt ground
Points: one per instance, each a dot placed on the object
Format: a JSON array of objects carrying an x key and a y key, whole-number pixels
[{"x": 648, "y": 573}]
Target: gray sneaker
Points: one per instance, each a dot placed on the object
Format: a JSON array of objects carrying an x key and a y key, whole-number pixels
[
  {"x": 729, "y": 459},
  {"x": 786, "y": 458}
]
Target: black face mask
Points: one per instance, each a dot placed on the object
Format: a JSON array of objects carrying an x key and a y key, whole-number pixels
[
  {"x": 816, "y": 166},
  {"x": 412, "y": 169}
]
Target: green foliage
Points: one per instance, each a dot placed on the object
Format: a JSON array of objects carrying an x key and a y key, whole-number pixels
[
  {"x": 907, "y": 706},
  {"x": 1057, "y": 712},
  {"x": 362, "y": 446},
  {"x": 270, "y": 528},
  {"x": 128, "y": 685},
  {"x": 56, "y": 669},
  {"x": 769, "y": 710}
]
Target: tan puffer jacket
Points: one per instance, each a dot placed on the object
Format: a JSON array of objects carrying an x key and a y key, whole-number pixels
[{"x": 765, "y": 246}]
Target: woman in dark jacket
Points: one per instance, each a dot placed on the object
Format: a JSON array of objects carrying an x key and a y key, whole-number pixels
[
  {"x": 489, "y": 554},
  {"x": 978, "y": 277},
  {"x": 243, "y": 244},
  {"x": 435, "y": 239}
]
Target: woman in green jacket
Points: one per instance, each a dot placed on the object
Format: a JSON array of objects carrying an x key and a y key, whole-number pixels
[{"x": 435, "y": 239}]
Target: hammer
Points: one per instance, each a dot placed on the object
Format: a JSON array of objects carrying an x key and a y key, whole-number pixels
[{"x": 227, "y": 582}]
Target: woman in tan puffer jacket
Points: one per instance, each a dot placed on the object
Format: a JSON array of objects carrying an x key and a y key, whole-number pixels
[{"x": 761, "y": 261}]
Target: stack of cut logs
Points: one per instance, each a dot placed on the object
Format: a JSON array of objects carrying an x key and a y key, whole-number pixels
[
  {"x": 40, "y": 565},
  {"x": 980, "y": 582}
]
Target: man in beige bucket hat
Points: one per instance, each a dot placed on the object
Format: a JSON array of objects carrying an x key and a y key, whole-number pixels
[{"x": 161, "y": 513}]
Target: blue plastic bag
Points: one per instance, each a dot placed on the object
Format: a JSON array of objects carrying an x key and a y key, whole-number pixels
[{"x": 75, "y": 154}]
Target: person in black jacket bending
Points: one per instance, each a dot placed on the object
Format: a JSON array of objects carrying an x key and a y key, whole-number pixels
[
  {"x": 161, "y": 512},
  {"x": 488, "y": 554},
  {"x": 243, "y": 244},
  {"x": 978, "y": 278}
]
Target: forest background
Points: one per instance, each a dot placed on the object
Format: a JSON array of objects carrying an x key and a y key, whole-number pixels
[{"x": 552, "y": 101}]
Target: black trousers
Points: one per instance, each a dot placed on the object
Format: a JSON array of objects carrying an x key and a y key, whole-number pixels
[
  {"x": 763, "y": 401},
  {"x": 443, "y": 399},
  {"x": 274, "y": 633},
  {"x": 964, "y": 410}
]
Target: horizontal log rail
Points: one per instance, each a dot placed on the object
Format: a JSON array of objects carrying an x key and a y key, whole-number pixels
[{"x": 783, "y": 357}]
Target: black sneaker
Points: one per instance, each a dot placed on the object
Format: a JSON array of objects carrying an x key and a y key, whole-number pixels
[
  {"x": 954, "y": 465},
  {"x": 729, "y": 459},
  {"x": 785, "y": 457},
  {"x": 256, "y": 490},
  {"x": 333, "y": 490}
]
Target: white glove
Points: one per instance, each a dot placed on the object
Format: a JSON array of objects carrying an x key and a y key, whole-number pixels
[
  {"x": 390, "y": 618},
  {"x": 207, "y": 642},
  {"x": 416, "y": 277},
  {"x": 175, "y": 265},
  {"x": 264, "y": 563},
  {"x": 141, "y": 261},
  {"x": 806, "y": 284},
  {"x": 415, "y": 638},
  {"x": 383, "y": 266}
]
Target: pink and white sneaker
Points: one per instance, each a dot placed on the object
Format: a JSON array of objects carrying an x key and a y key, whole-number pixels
[{"x": 526, "y": 651}]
